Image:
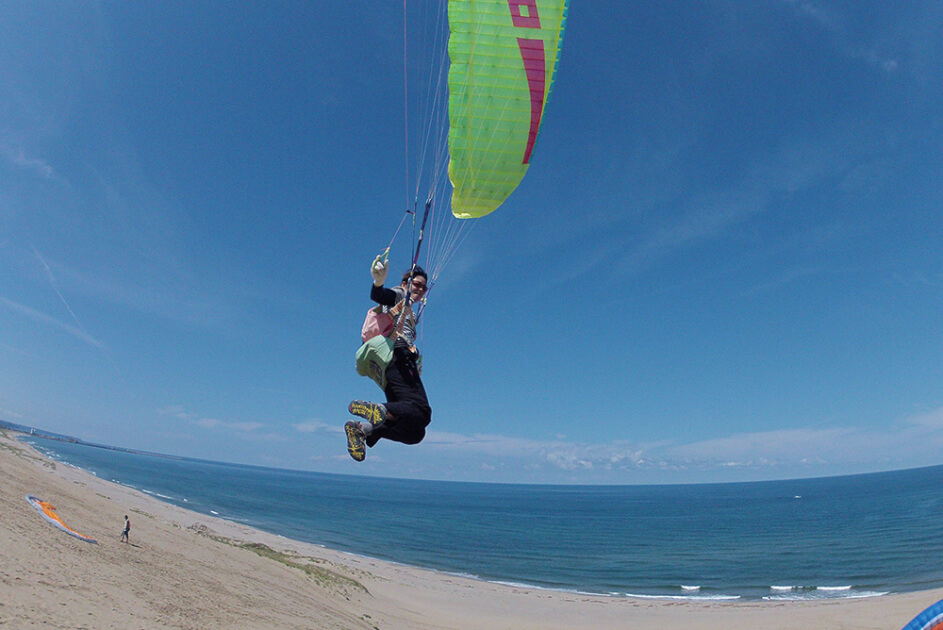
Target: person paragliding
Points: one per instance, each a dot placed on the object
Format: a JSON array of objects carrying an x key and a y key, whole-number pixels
[
  {"x": 502, "y": 57},
  {"x": 406, "y": 413}
]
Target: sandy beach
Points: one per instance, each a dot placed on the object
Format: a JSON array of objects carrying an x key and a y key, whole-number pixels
[{"x": 185, "y": 570}]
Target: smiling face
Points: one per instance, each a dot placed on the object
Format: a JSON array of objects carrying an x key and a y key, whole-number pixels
[{"x": 418, "y": 289}]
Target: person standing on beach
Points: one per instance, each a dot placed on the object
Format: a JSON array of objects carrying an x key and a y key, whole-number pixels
[
  {"x": 127, "y": 529},
  {"x": 407, "y": 413}
]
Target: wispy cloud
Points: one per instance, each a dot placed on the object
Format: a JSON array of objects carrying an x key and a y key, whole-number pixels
[
  {"x": 708, "y": 218},
  {"x": 785, "y": 278},
  {"x": 916, "y": 440},
  {"x": 41, "y": 167},
  {"x": 557, "y": 453},
  {"x": 835, "y": 23},
  {"x": 930, "y": 420},
  {"x": 822, "y": 16},
  {"x": 213, "y": 424},
  {"x": 159, "y": 298},
  {"x": 42, "y": 318},
  {"x": 52, "y": 283},
  {"x": 175, "y": 292},
  {"x": 31, "y": 164},
  {"x": 10, "y": 414},
  {"x": 317, "y": 426}
]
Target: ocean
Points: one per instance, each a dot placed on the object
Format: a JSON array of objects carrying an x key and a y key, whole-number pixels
[{"x": 837, "y": 537}]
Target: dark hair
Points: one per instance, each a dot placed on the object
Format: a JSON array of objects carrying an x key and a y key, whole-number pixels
[{"x": 415, "y": 272}]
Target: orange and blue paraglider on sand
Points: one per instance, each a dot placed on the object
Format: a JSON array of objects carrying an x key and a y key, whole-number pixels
[
  {"x": 48, "y": 512},
  {"x": 929, "y": 619}
]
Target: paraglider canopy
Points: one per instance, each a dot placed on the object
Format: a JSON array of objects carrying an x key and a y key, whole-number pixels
[
  {"x": 480, "y": 120},
  {"x": 503, "y": 55},
  {"x": 929, "y": 619}
]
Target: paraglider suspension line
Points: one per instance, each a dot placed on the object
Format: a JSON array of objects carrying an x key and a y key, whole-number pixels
[{"x": 412, "y": 268}]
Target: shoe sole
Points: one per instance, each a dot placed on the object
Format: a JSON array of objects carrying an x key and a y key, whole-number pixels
[
  {"x": 355, "y": 441},
  {"x": 371, "y": 412}
]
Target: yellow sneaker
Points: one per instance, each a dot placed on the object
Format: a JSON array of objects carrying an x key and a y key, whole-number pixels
[
  {"x": 355, "y": 439},
  {"x": 374, "y": 413}
]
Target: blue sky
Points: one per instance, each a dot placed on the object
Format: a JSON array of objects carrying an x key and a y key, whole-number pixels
[{"x": 724, "y": 264}]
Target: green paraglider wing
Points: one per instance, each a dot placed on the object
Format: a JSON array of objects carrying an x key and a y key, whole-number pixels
[{"x": 503, "y": 54}]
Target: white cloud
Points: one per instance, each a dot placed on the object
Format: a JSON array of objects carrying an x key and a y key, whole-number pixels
[
  {"x": 568, "y": 461},
  {"x": 931, "y": 420},
  {"x": 178, "y": 412},
  {"x": 317, "y": 426},
  {"x": 10, "y": 414},
  {"x": 41, "y": 167},
  {"x": 19, "y": 159},
  {"x": 914, "y": 441},
  {"x": 818, "y": 14},
  {"x": 214, "y": 424}
]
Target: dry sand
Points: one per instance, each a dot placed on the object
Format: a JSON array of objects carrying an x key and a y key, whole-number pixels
[{"x": 185, "y": 570}]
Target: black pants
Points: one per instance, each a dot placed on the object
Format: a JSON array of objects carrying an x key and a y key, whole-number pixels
[{"x": 405, "y": 400}]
